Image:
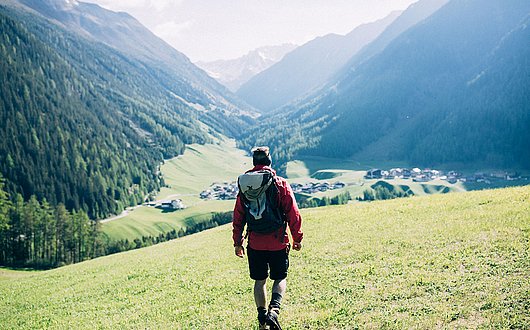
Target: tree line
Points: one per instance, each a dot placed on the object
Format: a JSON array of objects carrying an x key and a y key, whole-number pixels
[
  {"x": 340, "y": 199},
  {"x": 38, "y": 235}
]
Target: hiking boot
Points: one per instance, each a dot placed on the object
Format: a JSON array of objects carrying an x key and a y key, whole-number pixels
[
  {"x": 272, "y": 318},
  {"x": 262, "y": 319}
]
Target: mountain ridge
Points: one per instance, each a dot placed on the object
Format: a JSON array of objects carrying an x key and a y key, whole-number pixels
[
  {"x": 412, "y": 101},
  {"x": 124, "y": 33},
  {"x": 235, "y": 72},
  {"x": 308, "y": 66}
]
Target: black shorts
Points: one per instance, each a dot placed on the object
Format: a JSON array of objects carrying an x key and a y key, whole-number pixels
[{"x": 260, "y": 262}]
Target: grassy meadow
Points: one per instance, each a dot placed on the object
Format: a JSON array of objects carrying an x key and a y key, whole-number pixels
[
  {"x": 432, "y": 262},
  {"x": 186, "y": 176}
]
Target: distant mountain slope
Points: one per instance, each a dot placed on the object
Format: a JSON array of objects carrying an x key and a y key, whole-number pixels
[
  {"x": 124, "y": 33},
  {"x": 308, "y": 67},
  {"x": 236, "y": 72},
  {"x": 453, "y": 89},
  {"x": 85, "y": 125},
  {"x": 414, "y": 14}
]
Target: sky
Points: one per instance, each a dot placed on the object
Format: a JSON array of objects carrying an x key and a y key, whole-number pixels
[{"x": 207, "y": 30}]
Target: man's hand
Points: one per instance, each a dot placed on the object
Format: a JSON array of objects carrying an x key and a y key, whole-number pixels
[
  {"x": 240, "y": 251},
  {"x": 297, "y": 246}
]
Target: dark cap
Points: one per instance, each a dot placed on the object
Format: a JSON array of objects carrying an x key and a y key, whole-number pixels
[{"x": 261, "y": 156}]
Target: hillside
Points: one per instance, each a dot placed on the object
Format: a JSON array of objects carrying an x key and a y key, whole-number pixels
[
  {"x": 186, "y": 176},
  {"x": 125, "y": 34},
  {"x": 308, "y": 66},
  {"x": 86, "y": 125},
  {"x": 450, "y": 261},
  {"x": 451, "y": 89}
]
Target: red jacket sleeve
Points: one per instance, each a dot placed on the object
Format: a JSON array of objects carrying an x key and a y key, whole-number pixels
[
  {"x": 289, "y": 206},
  {"x": 238, "y": 222}
]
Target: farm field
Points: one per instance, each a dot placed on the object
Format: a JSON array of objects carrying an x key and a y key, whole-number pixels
[{"x": 439, "y": 261}]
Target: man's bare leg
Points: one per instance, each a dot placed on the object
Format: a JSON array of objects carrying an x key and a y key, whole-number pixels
[
  {"x": 260, "y": 293},
  {"x": 260, "y": 297}
]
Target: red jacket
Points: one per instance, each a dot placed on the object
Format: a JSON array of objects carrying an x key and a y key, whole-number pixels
[{"x": 273, "y": 241}]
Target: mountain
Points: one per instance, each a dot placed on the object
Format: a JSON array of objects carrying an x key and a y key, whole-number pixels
[
  {"x": 308, "y": 67},
  {"x": 234, "y": 73},
  {"x": 451, "y": 89},
  {"x": 414, "y": 14},
  {"x": 87, "y": 125},
  {"x": 124, "y": 33}
]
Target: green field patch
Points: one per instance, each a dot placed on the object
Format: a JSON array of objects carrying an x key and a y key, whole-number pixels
[
  {"x": 202, "y": 165},
  {"x": 296, "y": 169},
  {"x": 443, "y": 261},
  {"x": 327, "y": 174},
  {"x": 185, "y": 176},
  {"x": 312, "y": 164},
  {"x": 150, "y": 221},
  {"x": 9, "y": 274}
]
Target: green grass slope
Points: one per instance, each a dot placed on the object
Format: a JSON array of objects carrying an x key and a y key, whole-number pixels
[
  {"x": 185, "y": 176},
  {"x": 442, "y": 261}
]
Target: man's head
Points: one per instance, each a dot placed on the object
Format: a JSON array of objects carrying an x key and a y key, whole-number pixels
[{"x": 261, "y": 156}]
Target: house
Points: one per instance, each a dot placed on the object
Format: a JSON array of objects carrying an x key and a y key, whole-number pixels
[
  {"x": 387, "y": 175},
  {"x": 175, "y": 204},
  {"x": 421, "y": 178},
  {"x": 396, "y": 172},
  {"x": 415, "y": 172},
  {"x": 374, "y": 174},
  {"x": 206, "y": 194},
  {"x": 406, "y": 173}
]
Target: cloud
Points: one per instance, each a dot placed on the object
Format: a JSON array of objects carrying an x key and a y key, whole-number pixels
[
  {"x": 171, "y": 29},
  {"x": 126, "y": 5}
]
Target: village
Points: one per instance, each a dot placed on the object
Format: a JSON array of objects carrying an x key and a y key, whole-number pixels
[
  {"x": 227, "y": 190},
  {"x": 170, "y": 204},
  {"x": 426, "y": 175},
  {"x": 315, "y": 187},
  {"x": 221, "y": 191}
]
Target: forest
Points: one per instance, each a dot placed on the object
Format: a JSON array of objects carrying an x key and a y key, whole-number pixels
[
  {"x": 37, "y": 234},
  {"x": 76, "y": 131}
]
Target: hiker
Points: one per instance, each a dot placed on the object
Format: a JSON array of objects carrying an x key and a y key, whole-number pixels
[{"x": 266, "y": 205}]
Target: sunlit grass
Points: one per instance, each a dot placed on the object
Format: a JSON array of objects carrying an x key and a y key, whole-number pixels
[{"x": 442, "y": 261}]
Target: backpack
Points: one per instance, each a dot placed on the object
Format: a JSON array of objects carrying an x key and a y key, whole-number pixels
[{"x": 259, "y": 195}]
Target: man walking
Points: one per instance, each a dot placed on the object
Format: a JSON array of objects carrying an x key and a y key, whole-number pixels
[{"x": 266, "y": 205}]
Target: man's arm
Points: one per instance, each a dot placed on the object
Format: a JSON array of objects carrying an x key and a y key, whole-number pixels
[
  {"x": 294, "y": 219},
  {"x": 238, "y": 225}
]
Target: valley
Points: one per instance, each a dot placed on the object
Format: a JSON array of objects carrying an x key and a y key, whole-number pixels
[
  {"x": 185, "y": 177},
  {"x": 200, "y": 166},
  {"x": 405, "y": 140}
]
